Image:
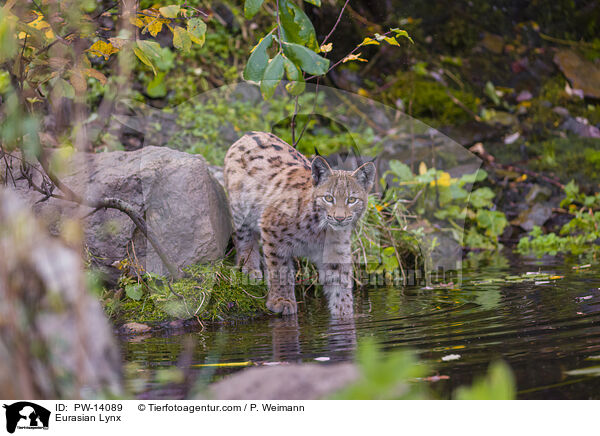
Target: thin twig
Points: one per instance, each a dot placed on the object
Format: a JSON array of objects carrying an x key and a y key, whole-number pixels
[{"x": 336, "y": 23}]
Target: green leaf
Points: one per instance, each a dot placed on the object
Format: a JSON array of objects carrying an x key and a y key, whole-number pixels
[
  {"x": 403, "y": 33},
  {"x": 477, "y": 176},
  {"x": 251, "y": 7},
  {"x": 257, "y": 63},
  {"x": 490, "y": 91},
  {"x": 134, "y": 291},
  {"x": 197, "y": 30},
  {"x": 181, "y": 39},
  {"x": 296, "y": 83},
  {"x": 148, "y": 52},
  {"x": 493, "y": 221},
  {"x": 306, "y": 59},
  {"x": 314, "y": 2},
  {"x": 157, "y": 88},
  {"x": 481, "y": 197},
  {"x": 499, "y": 384},
  {"x": 170, "y": 11},
  {"x": 401, "y": 170},
  {"x": 296, "y": 27},
  {"x": 272, "y": 77}
]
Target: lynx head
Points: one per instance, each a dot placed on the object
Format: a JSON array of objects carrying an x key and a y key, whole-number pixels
[{"x": 341, "y": 196}]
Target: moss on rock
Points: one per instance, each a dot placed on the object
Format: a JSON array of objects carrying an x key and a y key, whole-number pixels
[{"x": 215, "y": 292}]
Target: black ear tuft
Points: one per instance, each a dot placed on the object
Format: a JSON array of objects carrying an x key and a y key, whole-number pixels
[
  {"x": 365, "y": 175},
  {"x": 320, "y": 170}
]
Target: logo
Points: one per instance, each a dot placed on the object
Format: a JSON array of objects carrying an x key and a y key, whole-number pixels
[{"x": 26, "y": 415}]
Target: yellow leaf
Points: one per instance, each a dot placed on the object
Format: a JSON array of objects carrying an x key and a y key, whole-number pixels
[
  {"x": 181, "y": 39},
  {"x": 137, "y": 21},
  {"x": 391, "y": 40},
  {"x": 170, "y": 11},
  {"x": 353, "y": 57},
  {"x": 326, "y": 48},
  {"x": 368, "y": 41},
  {"x": 101, "y": 48},
  {"x": 154, "y": 27},
  {"x": 96, "y": 75},
  {"x": 422, "y": 168},
  {"x": 444, "y": 180},
  {"x": 363, "y": 92},
  {"x": 247, "y": 363}
]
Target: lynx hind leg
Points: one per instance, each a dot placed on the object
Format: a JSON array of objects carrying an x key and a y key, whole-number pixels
[
  {"x": 245, "y": 238},
  {"x": 280, "y": 275}
]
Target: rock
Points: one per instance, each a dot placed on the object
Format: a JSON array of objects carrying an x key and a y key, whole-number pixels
[
  {"x": 537, "y": 215},
  {"x": 55, "y": 341},
  {"x": 307, "y": 381},
  {"x": 134, "y": 328},
  {"x": 582, "y": 74},
  {"x": 581, "y": 127},
  {"x": 524, "y": 96},
  {"x": 537, "y": 193},
  {"x": 184, "y": 206},
  {"x": 562, "y": 111}
]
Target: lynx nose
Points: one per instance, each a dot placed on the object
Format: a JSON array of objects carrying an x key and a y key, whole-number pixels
[{"x": 339, "y": 219}]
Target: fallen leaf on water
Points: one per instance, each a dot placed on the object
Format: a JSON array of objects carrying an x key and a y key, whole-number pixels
[
  {"x": 435, "y": 378},
  {"x": 451, "y": 357},
  {"x": 247, "y": 363},
  {"x": 591, "y": 371}
]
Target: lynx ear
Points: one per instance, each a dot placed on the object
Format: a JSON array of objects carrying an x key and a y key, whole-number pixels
[
  {"x": 365, "y": 175},
  {"x": 320, "y": 170}
]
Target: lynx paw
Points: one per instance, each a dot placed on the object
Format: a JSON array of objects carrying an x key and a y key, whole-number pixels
[{"x": 282, "y": 305}]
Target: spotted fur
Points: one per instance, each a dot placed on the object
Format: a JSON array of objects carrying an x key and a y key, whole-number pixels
[{"x": 294, "y": 208}]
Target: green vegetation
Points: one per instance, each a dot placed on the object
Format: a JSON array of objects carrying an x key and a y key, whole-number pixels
[
  {"x": 571, "y": 157},
  {"x": 497, "y": 384},
  {"x": 209, "y": 124},
  {"x": 431, "y": 102},
  {"x": 578, "y": 236}
]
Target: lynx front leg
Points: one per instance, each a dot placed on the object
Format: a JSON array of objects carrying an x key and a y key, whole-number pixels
[
  {"x": 280, "y": 278},
  {"x": 335, "y": 273},
  {"x": 336, "y": 279}
]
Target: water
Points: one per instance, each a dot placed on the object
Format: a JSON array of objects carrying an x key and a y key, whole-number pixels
[{"x": 541, "y": 330}]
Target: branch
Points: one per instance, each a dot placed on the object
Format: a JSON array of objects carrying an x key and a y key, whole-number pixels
[{"x": 336, "y": 23}]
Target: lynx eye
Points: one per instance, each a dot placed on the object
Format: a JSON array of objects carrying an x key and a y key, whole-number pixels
[
  {"x": 352, "y": 200},
  {"x": 328, "y": 198}
]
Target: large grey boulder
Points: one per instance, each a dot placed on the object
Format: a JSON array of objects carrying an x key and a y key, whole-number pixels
[
  {"x": 55, "y": 341},
  {"x": 184, "y": 206}
]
